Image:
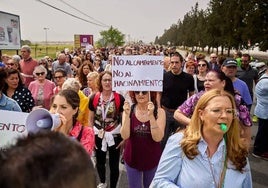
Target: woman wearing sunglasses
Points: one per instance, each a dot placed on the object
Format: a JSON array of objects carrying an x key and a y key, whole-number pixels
[
  {"x": 41, "y": 88},
  {"x": 143, "y": 126}
]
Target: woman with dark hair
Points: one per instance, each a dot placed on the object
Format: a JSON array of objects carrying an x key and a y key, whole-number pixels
[
  {"x": 105, "y": 110},
  {"x": 66, "y": 104},
  {"x": 199, "y": 78},
  {"x": 143, "y": 126},
  {"x": 60, "y": 76},
  {"x": 44, "y": 62},
  {"x": 76, "y": 63},
  {"x": 83, "y": 71},
  {"x": 15, "y": 89},
  {"x": 216, "y": 80},
  {"x": 6, "y": 103}
]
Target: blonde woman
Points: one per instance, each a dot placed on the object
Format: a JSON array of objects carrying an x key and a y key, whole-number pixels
[
  {"x": 91, "y": 84},
  {"x": 209, "y": 153}
]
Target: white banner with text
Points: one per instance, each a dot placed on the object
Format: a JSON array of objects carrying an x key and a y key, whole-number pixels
[{"x": 137, "y": 73}]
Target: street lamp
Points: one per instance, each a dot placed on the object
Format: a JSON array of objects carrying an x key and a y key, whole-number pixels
[{"x": 46, "y": 28}]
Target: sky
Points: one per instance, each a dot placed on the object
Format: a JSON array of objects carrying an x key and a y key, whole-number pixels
[{"x": 137, "y": 19}]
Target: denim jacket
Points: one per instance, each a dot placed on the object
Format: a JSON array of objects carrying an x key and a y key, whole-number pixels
[{"x": 7, "y": 103}]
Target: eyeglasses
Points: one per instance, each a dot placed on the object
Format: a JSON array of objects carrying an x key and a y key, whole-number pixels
[
  {"x": 58, "y": 77},
  {"x": 202, "y": 65},
  {"x": 228, "y": 111},
  {"x": 142, "y": 92},
  {"x": 106, "y": 80},
  {"x": 40, "y": 73}
]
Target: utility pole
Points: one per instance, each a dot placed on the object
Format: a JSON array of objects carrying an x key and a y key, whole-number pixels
[{"x": 46, "y": 28}]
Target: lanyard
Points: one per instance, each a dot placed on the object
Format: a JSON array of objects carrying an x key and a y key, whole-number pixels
[{"x": 104, "y": 111}]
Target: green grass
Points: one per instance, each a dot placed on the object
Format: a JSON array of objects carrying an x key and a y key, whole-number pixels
[{"x": 39, "y": 50}]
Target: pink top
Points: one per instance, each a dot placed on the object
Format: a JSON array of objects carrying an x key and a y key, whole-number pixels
[
  {"x": 87, "y": 137},
  {"x": 27, "y": 68},
  {"x": 48, "y": 87}
]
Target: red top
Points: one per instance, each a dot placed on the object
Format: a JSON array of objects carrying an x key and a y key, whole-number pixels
[
  {"x": 141, "y": 151},
  {"x": 87, "y": 138},
  {"x": 27, "y": 68}
]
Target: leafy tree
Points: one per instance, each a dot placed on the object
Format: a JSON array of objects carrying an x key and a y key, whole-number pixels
[
  {"x": 111, "y": 37},
  {"x": 26, "y": 42},
  {"x": 225, "y": 23}
]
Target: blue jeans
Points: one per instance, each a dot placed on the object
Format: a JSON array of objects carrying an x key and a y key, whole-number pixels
[{"x": 136, "y": 177}]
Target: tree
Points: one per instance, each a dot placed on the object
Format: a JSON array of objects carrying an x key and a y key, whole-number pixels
[{"x": 111, "y": 37}]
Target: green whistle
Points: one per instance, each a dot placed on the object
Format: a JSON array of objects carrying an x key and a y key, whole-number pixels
[{"x": 223, "y": 127}]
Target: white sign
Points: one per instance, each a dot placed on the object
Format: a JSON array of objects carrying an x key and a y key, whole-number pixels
[
  {"x": 137, "y": 73},
  {"x": 12, "y": 125},
  {"x": 9, "y": 31}
]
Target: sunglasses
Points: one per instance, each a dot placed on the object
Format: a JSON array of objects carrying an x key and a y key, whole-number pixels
[
  {"x": 58, "y": 77},
  {"x": 142, "y": 92},
  {"x": 40, "y": 73},
  {"x": 10, "y": 64},
  {"x": 202, "y": 65}
]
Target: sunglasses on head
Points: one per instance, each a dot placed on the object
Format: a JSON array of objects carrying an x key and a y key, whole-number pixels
[
  {"x": 40, "y": 73},
  {"x": 142, "y": 92}
]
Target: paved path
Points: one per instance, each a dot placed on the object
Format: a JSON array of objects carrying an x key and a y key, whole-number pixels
[{"x": 259, "y": 167}]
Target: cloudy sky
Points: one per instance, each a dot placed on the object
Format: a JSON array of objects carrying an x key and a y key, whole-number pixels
[{"x": 137, "y": 19}]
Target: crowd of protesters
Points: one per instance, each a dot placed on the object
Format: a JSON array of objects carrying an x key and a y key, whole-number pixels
[{"x": 28, "y": 84}]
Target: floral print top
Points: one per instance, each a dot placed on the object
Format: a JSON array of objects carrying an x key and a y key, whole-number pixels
[{"x": 187, "y": 108}]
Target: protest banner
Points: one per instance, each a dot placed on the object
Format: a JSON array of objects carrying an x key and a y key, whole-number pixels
[
  {"x": 12, "y": 125},
  {"x": 137, "y": 73}
]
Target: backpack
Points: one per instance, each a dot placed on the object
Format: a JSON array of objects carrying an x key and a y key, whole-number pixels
[{"x": 116, "y": 99}]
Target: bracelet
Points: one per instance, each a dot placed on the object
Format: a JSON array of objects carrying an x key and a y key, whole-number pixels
[{"x": 154, "y": 127}]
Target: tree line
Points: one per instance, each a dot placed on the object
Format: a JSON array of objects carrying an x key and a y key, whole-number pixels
[{"x": 225, "y": 24}]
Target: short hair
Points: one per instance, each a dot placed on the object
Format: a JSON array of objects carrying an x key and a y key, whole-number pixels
[
  {"x": 177, "y": 54},
  {"x": 62, "y": 71},
  {"x": 93, "y": 74},
  {"x": 16, "y": 58},
  {"x": 246, "y": 55},
  {"x": 190, "y": 63},
  {"x": 27, "y": 48},
  {"x": 71, "y": 83},
  {"x": 46, "y": 159},
  {"x": 39, "y": 68}
]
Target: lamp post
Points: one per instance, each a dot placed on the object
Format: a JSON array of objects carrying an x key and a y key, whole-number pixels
[{"x": 46, "y": 28}]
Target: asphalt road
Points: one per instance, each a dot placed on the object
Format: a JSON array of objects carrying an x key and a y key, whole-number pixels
[{"x": 259, "y": 169}]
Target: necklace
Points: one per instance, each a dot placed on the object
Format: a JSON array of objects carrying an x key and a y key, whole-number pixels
[
  {"x": 220, "y": 182},
  {"x": 142, "y": 115}
]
